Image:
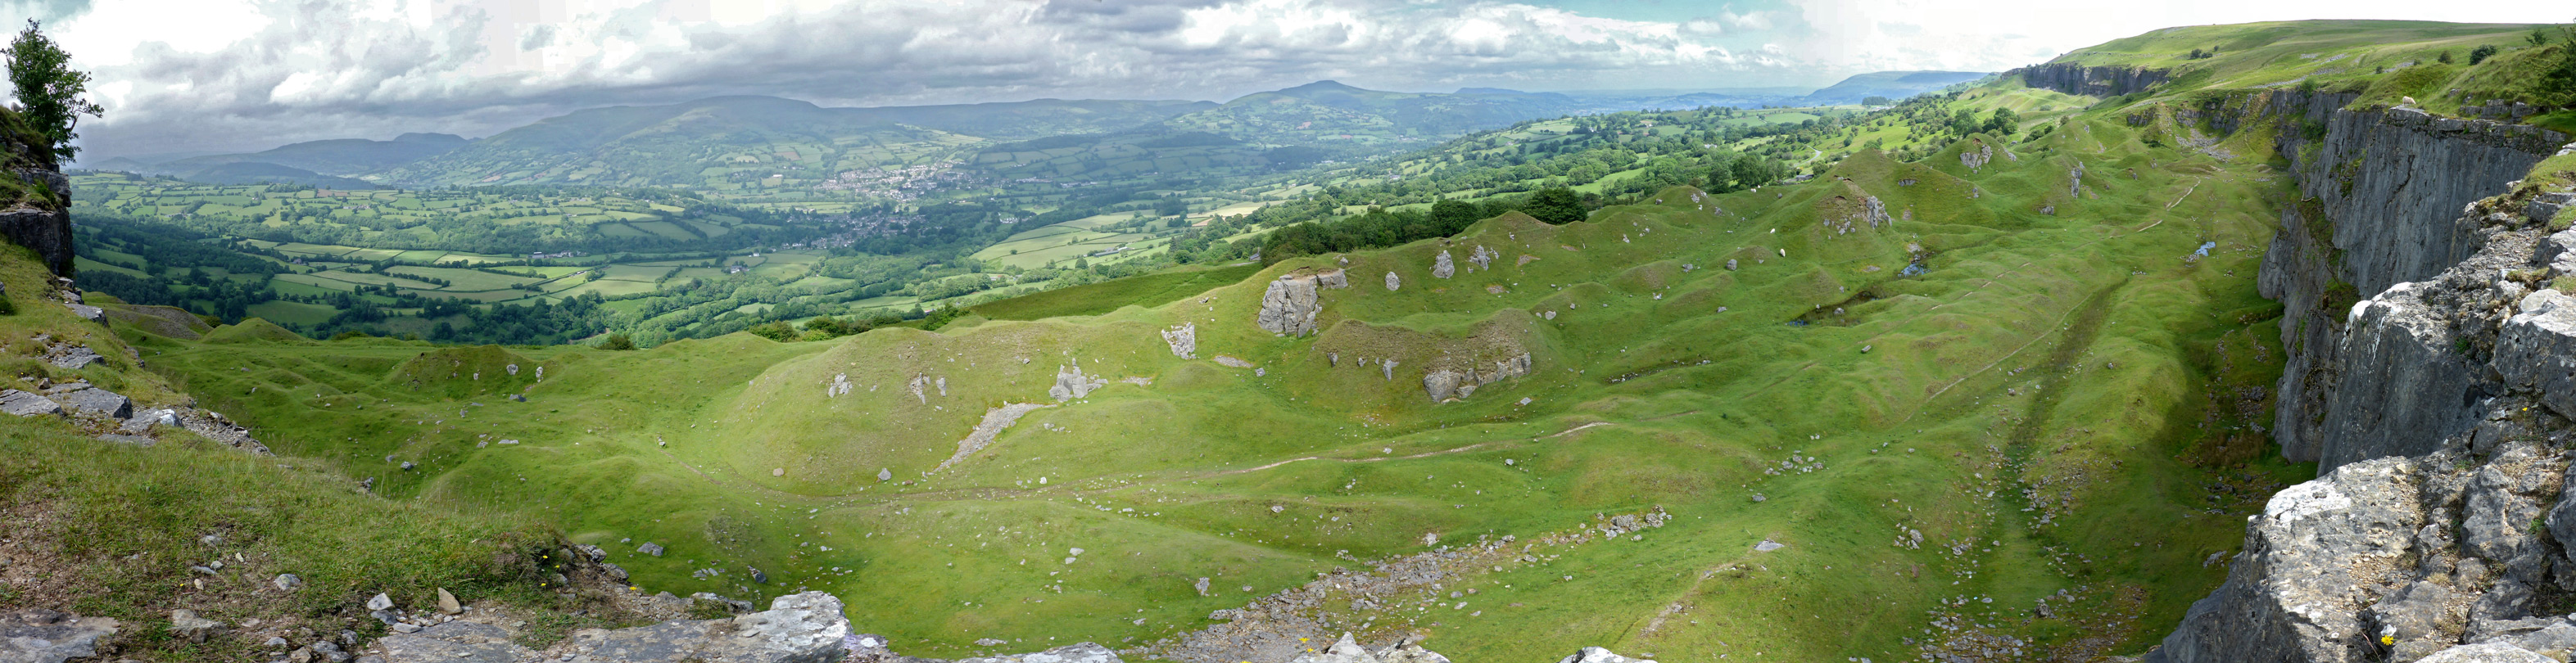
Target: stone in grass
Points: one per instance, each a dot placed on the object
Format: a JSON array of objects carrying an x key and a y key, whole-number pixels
[
  {"x": 650, "y": 548},
  {"x": 1768, "y": 545},
  {"x": 37, "y": 635},
  {"x": 380, "y": 602},
  {"x": 287, "y": 582},
  {"x": 25, "y": 404},
  {"x": 88, "y": 312},
  {"x": 187, "y": 625},
  {"x": 77, "y": 358},
  {"x": 98, "y": 401},
  {"x": 447, "y": 602}
]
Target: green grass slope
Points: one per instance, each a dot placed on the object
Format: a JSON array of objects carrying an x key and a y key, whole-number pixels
[{"x": 2047, "y": 402}]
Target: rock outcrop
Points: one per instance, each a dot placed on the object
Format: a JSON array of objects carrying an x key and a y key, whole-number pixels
[
  {"x": 1447, "y": 383},
  {"x": 1184, "y": 340},
  {"x": 2104, "y": 81},
  {"x": 1290, "y": 304},
  {"x": 798, "y": 628},
  {"x": 2387, "y": 196},
  {"x": 37, "y": 635},
  {"x": 2405, "y": 558},
  {"x": 2432, "y": 376}
]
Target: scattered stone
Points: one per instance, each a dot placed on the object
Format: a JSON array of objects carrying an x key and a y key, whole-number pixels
[
  {"x": 1202, "y": 586},
  {"x": 447, "y": 602},
  {"x": 1768, "y": 545},
  {"x": 187, "y": 625},
  {"x": 287, "y": 582},
  {"x": 144, "y": 421},
  {"x": 1075, "y": 653},
  {"x": 655, "y": 549},
  {"x": 380, "y": 602},
  {"x": 885, "y": 474}
]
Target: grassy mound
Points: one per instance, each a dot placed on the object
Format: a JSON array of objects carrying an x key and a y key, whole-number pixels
[
  {"x": 253, "y": 330},
  {"x": 458, "y": 372}
]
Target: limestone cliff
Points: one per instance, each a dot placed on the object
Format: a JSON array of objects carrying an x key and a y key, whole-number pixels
[
  {"x": 35, "y": 198},
  {"x": 2430, "y": 374},
  {"x": 2382, "y": 202},
  {"x": 2074, "y": 78}
]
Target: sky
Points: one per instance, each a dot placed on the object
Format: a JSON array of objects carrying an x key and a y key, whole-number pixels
[{"x": 199, "y": 76}]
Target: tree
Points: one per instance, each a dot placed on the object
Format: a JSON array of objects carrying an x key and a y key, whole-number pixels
[
  {"x": 2481, "y": 53},
  {"x": 2004, "y": 123},
  {"x": 2444, "y": 58},
  {"x": 617, "y": 341},
  {"x": 1874, "y": 101},
  {"x": 49, "y": 90},
  {"x": 1450, "y": 216},
  {"x": 1752, "y": 171},
  {"x": 1555, "y": 205}
]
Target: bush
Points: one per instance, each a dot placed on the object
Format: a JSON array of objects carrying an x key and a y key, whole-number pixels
[
  {"x": 617, "y": 341},
  {"x": 2480, "y": 54}
]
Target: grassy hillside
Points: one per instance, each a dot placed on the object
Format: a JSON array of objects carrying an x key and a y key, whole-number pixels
[{"x": 2055, "y": 361}]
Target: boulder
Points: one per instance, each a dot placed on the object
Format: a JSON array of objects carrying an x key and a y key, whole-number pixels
[
  {"x": 654, "y": 549},
  {"x": 1393, "y": 282},
  {"x": 1070, "y": 384},
  {"x": 1599, "y": 655},
  {"x": 1442, "y": 267},
  {"x": 185, "y": 624},
  {"x": 447, "y": 603},
  {"x": 144, "y": 421},
  {"x": 75, "y": 358},
  {"x": 87, "y": 312},
  {"x": 1289, "y": 305},
  {"x": 48, "y": 232},
  {"x": 98, "y": 401},
  {"x": 37, "y": 635},
  {"x": 25, "y": 404}
]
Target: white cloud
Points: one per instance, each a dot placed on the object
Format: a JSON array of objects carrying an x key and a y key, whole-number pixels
[{"x": 236, "y": 74}]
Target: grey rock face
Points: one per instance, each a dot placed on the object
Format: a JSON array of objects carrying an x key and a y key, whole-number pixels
[
  {"x": 36, "y": 635},
  {"x": 23, "y": 404},
  {"x": 2103, "y": 81},
  {"x": 2391, "y": 193},
  {"x": 1290, "y": 304},
  {"x": 2404, "y": 381},
  {"x": 2305, "y": 552},
  {"x": 87, "y": 312},
  {"x": 48, "y": 232},
  {"x": 98, "y": 401},
  {"x": 1442, "y": 267}
]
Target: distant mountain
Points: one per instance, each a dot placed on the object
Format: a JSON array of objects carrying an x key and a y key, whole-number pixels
[
  {"x": 1330, "y": 113},
  {"x": 1890, "y": 84},
  {"x": 346, "y": 156},
  {"x": 255, "y": 172},
  {"x": 751, "y": 141}
]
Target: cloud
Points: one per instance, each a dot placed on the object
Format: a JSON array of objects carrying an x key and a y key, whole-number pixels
[{"x": 248, "y": 74}]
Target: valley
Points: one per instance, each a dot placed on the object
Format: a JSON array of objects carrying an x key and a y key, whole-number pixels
[{"x": 2130, "y": 355}]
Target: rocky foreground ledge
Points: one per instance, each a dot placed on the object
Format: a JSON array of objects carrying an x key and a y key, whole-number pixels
[{"x": 800, "y": 628}]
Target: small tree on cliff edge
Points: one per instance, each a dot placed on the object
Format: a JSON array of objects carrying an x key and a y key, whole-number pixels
[{"x": 49, "y": 90}]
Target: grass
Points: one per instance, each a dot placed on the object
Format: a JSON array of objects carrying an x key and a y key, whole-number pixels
[
  {"x": 1148, "y": 290},
  {"x": 1989, "y": 373}
]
